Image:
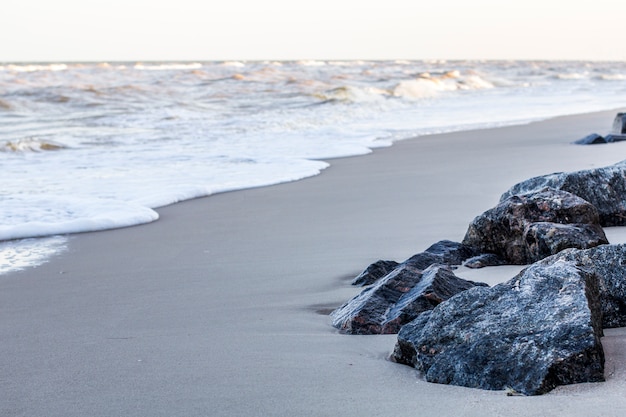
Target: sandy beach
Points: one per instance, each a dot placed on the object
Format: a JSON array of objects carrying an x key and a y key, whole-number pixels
[{"x": 220, "y": 307}]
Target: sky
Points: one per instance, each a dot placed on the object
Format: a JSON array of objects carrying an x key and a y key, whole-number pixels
[{"x": 196, "y": 30}]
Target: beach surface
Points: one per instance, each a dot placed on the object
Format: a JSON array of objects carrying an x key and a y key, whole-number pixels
[{"x": 221, "y": 307}]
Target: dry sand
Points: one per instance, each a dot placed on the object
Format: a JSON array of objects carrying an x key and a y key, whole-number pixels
[{"x": 217, "y": 308}]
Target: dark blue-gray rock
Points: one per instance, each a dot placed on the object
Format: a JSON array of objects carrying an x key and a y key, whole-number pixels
[
  {"x": 539, "y": 330},
  {"x": 613, "y": 137},
  {"x": 444, "y": 252},
  {"x": 483, "y": 260},
  {"x": 397, "y": 299},
  {"x": 608, "y": 264},
  {"x": 592, "y": 139},
  {"x": 619, "y": 123},
  {"x": 544, "y": 239},
  {"x": 508, "y": 230},
  {"x": 451, "y": 253},
  {"x": 605, "y": 188},
  {"x": 374, "y": 272}
]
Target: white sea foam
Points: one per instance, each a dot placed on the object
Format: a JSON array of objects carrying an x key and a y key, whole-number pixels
[
  {"x": 164, "y": 67},
  {"x": 95, "y": 146},
  {"x": 25, "y": 253}
]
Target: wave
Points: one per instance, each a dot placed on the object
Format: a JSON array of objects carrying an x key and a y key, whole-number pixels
[
  {"x": 428, "y": 86},
  {"x": 352, "y": 94},
  {"x": 33, "y": 67},
  {"x": 57, "y": 215},
  {"x": 167, "y": 67},
  {"x": 30, "y": 145},
  {"x": 5, "y": 106}
]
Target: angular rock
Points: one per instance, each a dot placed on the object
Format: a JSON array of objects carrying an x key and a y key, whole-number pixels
[
  {"x": 608, "y": 264},
  {"x": 508, "y": 230},
  {"x": 613, "y": 137},
  {"x": 538, "y": 330},
  {"x": 605, "y": 188},
  {"x": 592, "y": 139},
  {"x": 544, "y": 239},
  {"x": 374, "y": 272},
  {"x": 444, "y": 252},
  {"x": 397, "y": 299},
  {"x": 619, "y": 123},
  {"x": 481, "y": 261}
]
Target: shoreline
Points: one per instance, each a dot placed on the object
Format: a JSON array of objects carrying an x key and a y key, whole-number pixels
[{"x": 215, "y": 308}]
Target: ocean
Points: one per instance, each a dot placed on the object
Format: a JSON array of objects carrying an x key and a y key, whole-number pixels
[{"x": 95, "y": 146}]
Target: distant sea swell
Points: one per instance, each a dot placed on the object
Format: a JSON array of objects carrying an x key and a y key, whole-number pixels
[{"x": 96, "y": 146}]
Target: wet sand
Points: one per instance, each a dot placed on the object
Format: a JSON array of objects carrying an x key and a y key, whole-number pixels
[{"x": 219, "y": 308}]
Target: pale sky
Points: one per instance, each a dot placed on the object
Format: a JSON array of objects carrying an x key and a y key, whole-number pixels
[{"x": 171, "y": 30}]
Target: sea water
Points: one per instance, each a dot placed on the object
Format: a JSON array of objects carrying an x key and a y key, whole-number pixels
[{"x": 94, "y": 146}]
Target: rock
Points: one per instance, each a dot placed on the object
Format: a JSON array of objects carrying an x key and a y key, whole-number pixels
[
  {"x": 509, "y": 231},
  {"x": 444, "y": 252},
  {"x": 614, "y": 138},
  {"x": 398, "y": 298},
  {"x": 481, "y": 261},
  {"x": 544, "y": 239},
  {"x": 374, "y": 272},
  {"x": 451, "y": 253},
  {"x": 591, "y": 139},
  {"x": 605, "y": 188},
  {"x": 619, "y": 123},
  {"x": 539, "y": 330},
  {"x": 608, "y": 264}
]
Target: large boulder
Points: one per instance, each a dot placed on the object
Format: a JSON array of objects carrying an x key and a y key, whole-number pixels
[
  {"x": 538, "y": 330},
  {"x": 524, "y": 228},
  {"x": 398, "y": 298},
  {"x": 608, "y": 264},
  {"x": 605, "y": 188}
]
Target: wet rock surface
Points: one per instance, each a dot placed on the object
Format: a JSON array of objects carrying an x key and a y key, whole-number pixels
[
  {"x": 398, "y": 298},
  {"x": 604, "y": 188},
  {"x": 374, "y": 272},
  {"x": 524, "y": 228},
  {"x": 608, "y": 264},
  {"x": 539, "y": 330}
]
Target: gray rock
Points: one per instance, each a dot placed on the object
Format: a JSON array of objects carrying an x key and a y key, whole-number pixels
[
  {"x": 509, "y": 230},
  {"x": 605, "y": 188},
  {"x": 481, "y": 261},
  {"x": 397, "y": 299},
  {"x": 592, "y": 139},
  {"x": 619, "y": 123},
  {"x": 374, "y": 272},
  {"x": 614, "y": 138},
  {"x": 444, "y": 252},
  {"x": 544, "y": 239},
  {"x": 608, "y": 264},
  {"x": 538, "y": 330}
]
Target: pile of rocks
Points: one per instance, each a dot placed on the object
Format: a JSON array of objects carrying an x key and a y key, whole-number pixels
[
  {"x": 618, "y": 133},
  {"x": 542, "y": 328}
]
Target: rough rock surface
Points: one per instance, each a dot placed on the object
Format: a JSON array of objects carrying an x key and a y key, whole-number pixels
[
  {"x": 538, "y": 330},
  {"x": 608, "y": 264},
  {"x": 444, "y": 252},
  {"x": 374, "y": 272},
  {"x": 481, "y": 261},
  {"x": 398, "y": 298},
  {"x": 605, "y": 188},
  {"x": 524, "y": 228},
  {"x": 544, "y": 239}
]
